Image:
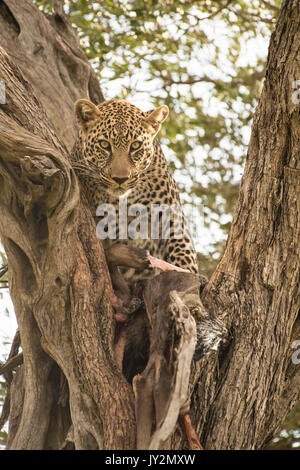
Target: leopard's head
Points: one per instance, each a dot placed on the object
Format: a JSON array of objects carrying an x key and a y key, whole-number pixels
[{"x": 116, "y": 141}]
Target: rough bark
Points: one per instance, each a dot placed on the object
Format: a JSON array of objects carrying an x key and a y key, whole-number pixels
[
  {"x": 58, "y": 277},
  {"x": 257, "y": 281},
  {"x": 70, "y": 389},
  {"x": 47, "y": 51}
]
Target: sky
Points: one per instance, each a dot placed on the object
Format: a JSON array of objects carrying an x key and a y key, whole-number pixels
[{"x": 8, "y": 323}]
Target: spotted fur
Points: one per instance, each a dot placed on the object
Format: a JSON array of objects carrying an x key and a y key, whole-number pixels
[{"x": 117, "y": 155}]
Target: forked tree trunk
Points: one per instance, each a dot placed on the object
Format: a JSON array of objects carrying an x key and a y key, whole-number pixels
[{"x": 69, "y": 388}]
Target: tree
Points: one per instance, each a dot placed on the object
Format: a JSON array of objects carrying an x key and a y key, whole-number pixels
[
  {"x": 198, "y": 59},
  {"x": 58, "y": 276}
]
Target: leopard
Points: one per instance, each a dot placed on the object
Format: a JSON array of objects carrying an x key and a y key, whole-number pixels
[
  {"x": 119, "y": 160},
  {"x": 118, "y": 156}
]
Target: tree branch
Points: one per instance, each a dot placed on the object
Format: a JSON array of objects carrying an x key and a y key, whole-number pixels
[
  {"x": 11, "y": 364},
  {"x": 215, "y": 13},
  {"x": 58, "y": 7},
  {"x": 60, "y": 284}
]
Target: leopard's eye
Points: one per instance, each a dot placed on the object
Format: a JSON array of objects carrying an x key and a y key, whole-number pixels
[
  {"x": 135, "y": 145},
  {"x": 104, "y": 144}
]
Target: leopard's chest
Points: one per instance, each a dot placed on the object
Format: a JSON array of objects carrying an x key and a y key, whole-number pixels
[{"x": 132, "y": 219}]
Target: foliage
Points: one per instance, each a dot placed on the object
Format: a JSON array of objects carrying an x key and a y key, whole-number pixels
[{"x": 289, "y": 437}]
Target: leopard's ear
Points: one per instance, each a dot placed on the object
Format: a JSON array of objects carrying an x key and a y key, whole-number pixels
[
  {"x": 86, "y": 113},
  {"x": 154, "y": 120}
]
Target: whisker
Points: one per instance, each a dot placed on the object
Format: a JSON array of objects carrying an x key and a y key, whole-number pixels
[
  {"x": 90, "y": 175},
  {"x": 85, "y": 165}
]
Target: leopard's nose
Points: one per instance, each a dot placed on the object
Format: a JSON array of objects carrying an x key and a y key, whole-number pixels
[{"x": 120, "y": 180}]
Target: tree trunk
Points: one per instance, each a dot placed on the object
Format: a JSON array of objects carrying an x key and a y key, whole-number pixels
[
  {"x": 256, "y": 283},
  {"x": 58, "y": 277},
  {"x": 69, "y": 390}
]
